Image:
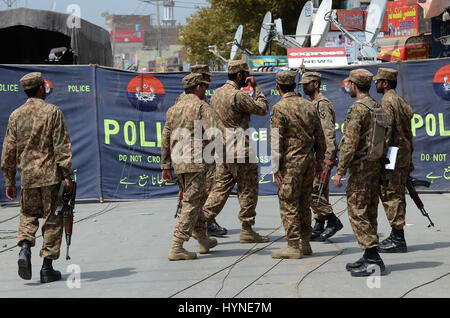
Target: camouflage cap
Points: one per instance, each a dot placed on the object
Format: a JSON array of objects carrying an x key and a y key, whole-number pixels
[
  {"x": 360, "y": 76},
  {"x": 31, "y": 80},
  {"x": 193, "y": 79},
  {"x": 285, "y": 77},
  {"x": 237, "y": 66},
  {"x": 201, "y": 69},
  {"x": 310, "y": 76},
  {"x": 386, "y": 74}
]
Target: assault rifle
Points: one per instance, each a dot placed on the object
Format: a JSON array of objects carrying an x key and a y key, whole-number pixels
[
  {"x": 411, "y": 186},
  {"x": 325, "y": 174},
  {"x": 180, "y": 204},
  {"x": 66, "y": 207}
]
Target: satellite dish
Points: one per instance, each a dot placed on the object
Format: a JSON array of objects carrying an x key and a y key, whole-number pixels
[
  {"x": 279, "y": 26},
  {"x": 375, "y": 17},
  {"x": 304, "y": 23},
  {"x": 264, "y": 34},
  {"x": 236, "y": 42},
  {"x": 320, "y": 26}
]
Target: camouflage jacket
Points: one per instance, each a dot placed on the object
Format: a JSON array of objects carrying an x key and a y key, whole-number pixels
[
  {"x": 356, "y": 124},
  {"x": 327, "y": 119},
  {"x": 182, "y": 136},
  {"x": 233, "y": 109},
  {"x": 184, "y": 94},
  {"x": 37, "y": 142},
  {"x": 299, "y": 132},
  {"x": 399, "y": 114}
]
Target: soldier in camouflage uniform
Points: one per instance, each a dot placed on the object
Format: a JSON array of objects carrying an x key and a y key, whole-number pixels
[
  {"x": 322, "y": 211},
  {"x": 399, "y": 114},
  {"x": 296, "y": 154},
  {"x": 37, "y": 142},
  {"x": 186, "y": 120},
  {"x": 233, "y": 109},
  {"x": 214, "y": 229},
  {"x": 363, "y": 178}
]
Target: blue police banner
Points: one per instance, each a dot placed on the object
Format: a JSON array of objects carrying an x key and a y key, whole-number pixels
[
  {"x": 72, "y": 88},
  {"x": 115, "y": 121}
]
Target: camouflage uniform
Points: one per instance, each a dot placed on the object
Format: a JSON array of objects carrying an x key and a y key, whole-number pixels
[
  {"x": 187, "y": 159},
  {"x": 37, "y": 142},
  {"x": 300, "y": 137},
  {"x": 363, "y": 177},
  {"x": 399, "y": 114},
  {"x": 233, "y": 109}
]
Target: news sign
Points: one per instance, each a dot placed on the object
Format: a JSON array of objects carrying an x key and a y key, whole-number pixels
[{"x": 317, "y": 57}]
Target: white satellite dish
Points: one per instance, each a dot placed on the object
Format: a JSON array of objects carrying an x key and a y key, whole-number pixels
[
  {"x": 236, "y": 42},
  {"x": 264, "y": 35},
  {"x": 375, "y": 16},
  {"x": 304, "y": 23},
  {"x": 279, "y": 26},
  {"x": 320, "y": 26}
]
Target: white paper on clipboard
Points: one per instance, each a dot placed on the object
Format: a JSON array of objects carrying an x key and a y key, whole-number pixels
[{"x": 392, "y": 156}]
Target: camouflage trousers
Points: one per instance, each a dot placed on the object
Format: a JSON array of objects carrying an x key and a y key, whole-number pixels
[
  {"x": 362, "y": 201},
  {"x": 323, "y": 208},
  {"x": 246, "y": 177},
  {"x": 294, "y": 197},
  {"x": 38, "y": 203},
  {"x": 191, "y": 217},
  {"x": 210, "y": 171},
  {"x": 393, "y": 197}
]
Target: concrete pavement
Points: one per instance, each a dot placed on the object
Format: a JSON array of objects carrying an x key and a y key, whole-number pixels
[{"x": 119, "y": 249}]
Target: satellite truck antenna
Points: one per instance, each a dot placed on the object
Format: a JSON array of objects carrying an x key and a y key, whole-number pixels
[
  {"x": 236, "y": 44},
  {"x": 320, "y": 26},
  {"x": 304, "y": 23},
  {"x": 265, "y": 35},
  {"x": 274, "y": 31},
  {"x": 213, "y": 50},
  {"x": 375, "y": 15}
]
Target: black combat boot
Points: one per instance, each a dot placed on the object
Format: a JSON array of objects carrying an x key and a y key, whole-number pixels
[
  {"x": 214, "y": 229},
  {"x": 372, "y": 263},
  {"x": 318, "y": 229},
  {"x": 48, "y": 274},
  {"x": 333, "y": 225},
  {"x": 395, "y": 243},
  {"x": 354, "y": 265},
  {"x": 24, "y": 261},
  {"x": 387, "y": 239}
]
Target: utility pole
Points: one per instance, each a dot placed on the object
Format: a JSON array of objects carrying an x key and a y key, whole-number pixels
[
  {"x": 159, "y": 23},
  {"x": 9, "y": 3}
]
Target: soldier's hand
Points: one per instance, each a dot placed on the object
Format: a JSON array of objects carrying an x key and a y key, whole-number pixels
[
  {"x": 329, "y": 163},
  {"x": 251, "y": 80},
  {"x": 11, "y": 192},
  {"x": 167, "y": 175},
  {"x": 337, "y": 181},
  {"x": 69, "y": 185},
  {"x": 278, "y": 179}
]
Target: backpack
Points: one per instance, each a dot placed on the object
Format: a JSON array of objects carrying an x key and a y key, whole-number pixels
[{"x": 375, "y": 135}]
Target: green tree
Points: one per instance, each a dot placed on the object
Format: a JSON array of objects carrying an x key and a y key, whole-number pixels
[{"x": 217, "y": 24}]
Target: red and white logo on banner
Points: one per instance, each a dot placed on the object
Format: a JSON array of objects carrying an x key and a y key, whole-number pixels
[{"x": 315, "y": 57}]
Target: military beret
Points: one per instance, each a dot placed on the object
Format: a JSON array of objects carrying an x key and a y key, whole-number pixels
[
  {"x": 310, "y": 76},
  {"x": 236, "y": 66},
  {"x": 201, "y": 69},
  {"x": 193, "y": 79},
  {"x": 360, "y": 76},
  {"x": 285, "y": 77},
  {"x": 31, "y": 80},
  {"x": 386, "y": 74}
]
